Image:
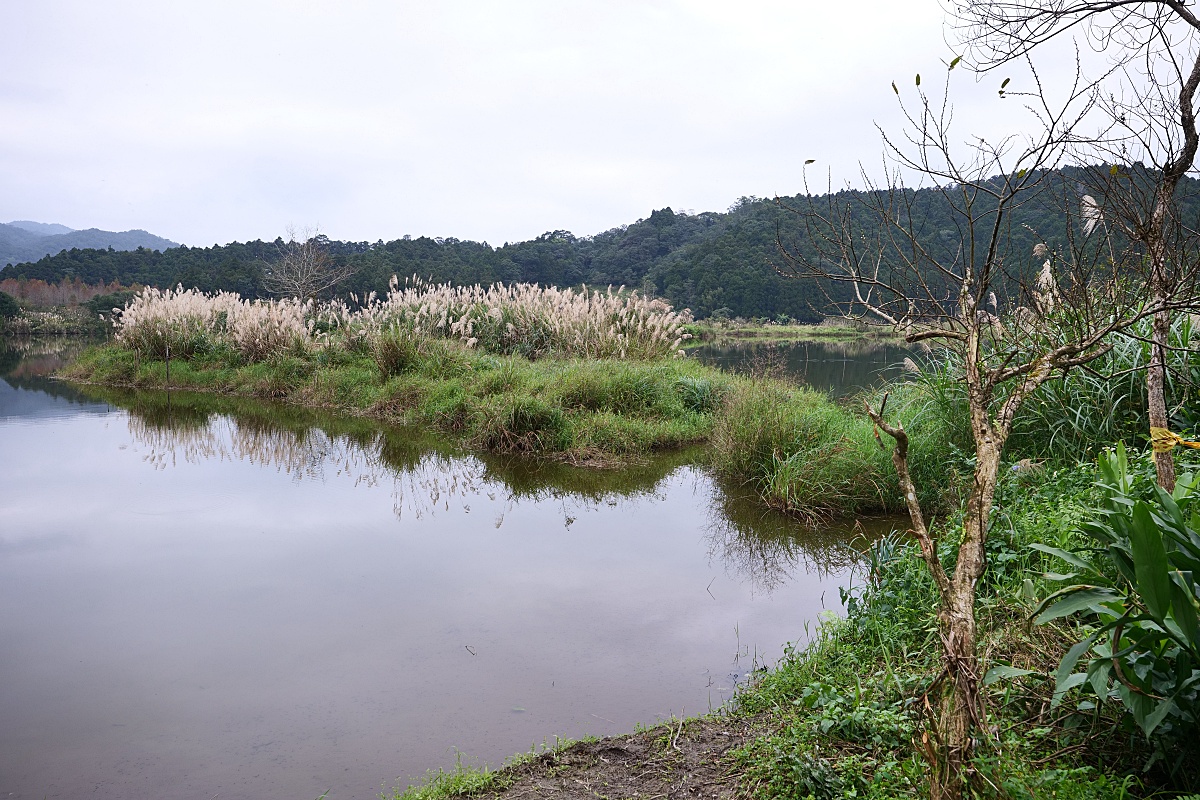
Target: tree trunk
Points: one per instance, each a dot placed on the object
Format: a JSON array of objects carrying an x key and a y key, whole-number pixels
[{"x": 1156, "y": 375}]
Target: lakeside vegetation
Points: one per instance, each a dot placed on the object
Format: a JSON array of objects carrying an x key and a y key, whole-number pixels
[
  {"x": 492, "y": 370},
  {"x": 843, "y": 716}
]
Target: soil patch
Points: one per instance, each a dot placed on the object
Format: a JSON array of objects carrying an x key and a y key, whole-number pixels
[{"x": 682, "y": 759}]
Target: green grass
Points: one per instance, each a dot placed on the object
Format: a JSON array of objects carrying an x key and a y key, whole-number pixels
[
  {"x": 798, "y": 450},
  {"x": 801, "y": 452},
  {"x": 846, "y": 711},
  {"x": 583, "y": 410}
]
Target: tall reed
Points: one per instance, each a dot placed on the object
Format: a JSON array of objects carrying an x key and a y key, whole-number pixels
[{"x": 520, "y": 319}]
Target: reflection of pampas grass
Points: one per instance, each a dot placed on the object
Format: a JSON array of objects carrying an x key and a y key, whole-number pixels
[
  {"x": 304, "y": 454},
  {"x": 312, "y": 454}
]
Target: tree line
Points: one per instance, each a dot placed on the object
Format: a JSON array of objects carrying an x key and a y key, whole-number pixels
[{"x": 724, "y": 264}]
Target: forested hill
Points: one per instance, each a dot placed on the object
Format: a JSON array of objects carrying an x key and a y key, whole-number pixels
[
  {"x": 25, "y": 241},
  {"x": 722, "y": 263}
]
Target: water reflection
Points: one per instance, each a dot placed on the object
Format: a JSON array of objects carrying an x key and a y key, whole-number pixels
[
  {"x": 26, "y": 367},
  {"x": 838, "y": 367},
  {"x": 426, "y": 476},
  {"x": 255, "y": 600}
]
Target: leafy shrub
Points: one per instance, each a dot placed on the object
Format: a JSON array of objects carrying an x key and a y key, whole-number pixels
[
  {"x": 801, "y": 452},
  {"x": 106, "y": 304},
  {"x": 8, "y": 306},
  {"x": 797, "y": 775},
  {"x": 1142, "y": 591}
]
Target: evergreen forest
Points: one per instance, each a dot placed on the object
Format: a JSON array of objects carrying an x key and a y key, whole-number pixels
[{"x": 718, "y": 264}]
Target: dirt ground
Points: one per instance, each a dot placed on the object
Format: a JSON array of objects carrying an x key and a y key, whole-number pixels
[{"x": 688, "y": 759}]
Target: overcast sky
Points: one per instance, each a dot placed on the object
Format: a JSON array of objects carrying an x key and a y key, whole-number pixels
[{"x": 209, "y": 122}]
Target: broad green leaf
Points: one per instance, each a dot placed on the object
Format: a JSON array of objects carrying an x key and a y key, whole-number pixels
[
  {"x": 810, "y": 161},
  {"x": 1065, "y": 555},
  {"x": 1003, "y": 671},
  {"x": 1068, "y": 664},
  {"x": 1155, "y": 718},
  {"x": 1098, "y": 676},
  {"x": 1150, "y": 562},
  {"x": 1028, "y": 591},
  {"x": 1183, "y": 609},
  {"x": 1072, "y": 680},
  {"x": 918, "y": 79},
  {"x": 954, "y": 63},
  {"x": 1072, "y": 600}
]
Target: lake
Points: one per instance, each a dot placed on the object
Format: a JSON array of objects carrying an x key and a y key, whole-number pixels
[
  {"x": 203, "y": 597},
  {"x": 836, "y": 367}
]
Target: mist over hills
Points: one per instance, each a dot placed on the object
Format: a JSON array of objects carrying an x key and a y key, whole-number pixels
[{"x": 25, "y": 240}]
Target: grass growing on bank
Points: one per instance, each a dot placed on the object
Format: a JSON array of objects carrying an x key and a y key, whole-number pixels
[
  {"x": 570, "y": 407},
  {"x": 847, "y": 711},
  {"x": 813, "y": 457}
]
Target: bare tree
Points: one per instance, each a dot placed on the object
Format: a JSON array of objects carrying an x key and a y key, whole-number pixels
[
  {"x": 304, "y": 267},
  {"x": 1149, "y": 96},
  {"x": 877, "y": 253}
]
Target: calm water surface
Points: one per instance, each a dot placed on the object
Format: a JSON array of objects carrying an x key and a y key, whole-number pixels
[
  {"x": 836, "y": 367},
  {"x": 206, "y": 598}
]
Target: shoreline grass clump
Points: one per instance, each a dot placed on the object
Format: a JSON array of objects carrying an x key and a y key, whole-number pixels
[
  {"x": 532, "y": 321},
  {"x": 579, "y": 410},
  {"x": 801, "y": 452}
]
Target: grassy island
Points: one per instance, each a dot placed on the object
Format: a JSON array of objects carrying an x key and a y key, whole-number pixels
[{"x": 592, "y": 378}]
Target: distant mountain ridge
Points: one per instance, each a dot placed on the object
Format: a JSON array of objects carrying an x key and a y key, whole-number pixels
[
  {"x": 25, "y": 240},
  {"x": 41, "y": 228}
]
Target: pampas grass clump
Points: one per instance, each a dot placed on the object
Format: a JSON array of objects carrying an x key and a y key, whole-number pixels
[{"x": 519, "y": 319}]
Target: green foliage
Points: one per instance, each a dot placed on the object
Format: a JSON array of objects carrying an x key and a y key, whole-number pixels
[
  {"x": 8, "y": 306},
  {"x": 508, "y": 423},
  {"x": 396, "y": 350},
  {"x": 800, "y": 452},
  {"x": 792, "y": 771},
  {"x": 1072, "y": 414},
  {"x": 697, "y": 394},
  {"x": 461, "y": 781},
  {"x": 581, "y": 410},
  {"x": 1143, "y": 593},
  {"x": 105, "y": 303},
  {"x": 719, "y": 264},
  {"x": 846, "y": 710}
]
